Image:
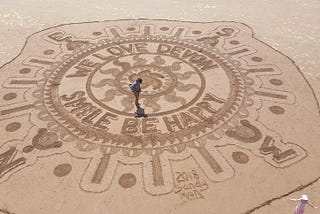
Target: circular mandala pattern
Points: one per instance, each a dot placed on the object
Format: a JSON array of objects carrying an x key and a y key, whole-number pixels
[
  {"x": 176, "y": 74},
  {"x": 159, "y": 83}
]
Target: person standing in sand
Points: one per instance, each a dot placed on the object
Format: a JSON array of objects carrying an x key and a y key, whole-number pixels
[
  {"x": 136, "y": 89},
  {"x": 299, "y": 209}
]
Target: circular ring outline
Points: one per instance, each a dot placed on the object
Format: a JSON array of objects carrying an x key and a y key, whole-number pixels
[
  {"x": 194, "y": 100},
  {"x": 236, "y": 97}
]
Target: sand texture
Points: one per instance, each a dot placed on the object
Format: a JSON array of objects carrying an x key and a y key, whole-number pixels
[{"x": 230, "y": 124}]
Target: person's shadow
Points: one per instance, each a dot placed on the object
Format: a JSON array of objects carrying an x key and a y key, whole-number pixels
[{"x": 140, "y": 112}]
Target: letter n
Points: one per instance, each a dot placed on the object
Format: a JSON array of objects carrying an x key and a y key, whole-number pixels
[{"x": 7, "y": 162}]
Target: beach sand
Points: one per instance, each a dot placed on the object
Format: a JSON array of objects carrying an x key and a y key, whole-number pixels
[{"x": 230, "y": 89}]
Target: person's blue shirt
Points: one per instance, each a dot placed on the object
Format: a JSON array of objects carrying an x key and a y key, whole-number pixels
[{"x": 135, "y": 86}]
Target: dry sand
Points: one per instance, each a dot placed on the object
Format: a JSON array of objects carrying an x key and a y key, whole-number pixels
[{"x": 230, "y": 91}]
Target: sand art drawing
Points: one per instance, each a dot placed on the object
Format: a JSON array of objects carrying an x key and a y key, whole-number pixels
[{"x": 212, "y": 93}]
